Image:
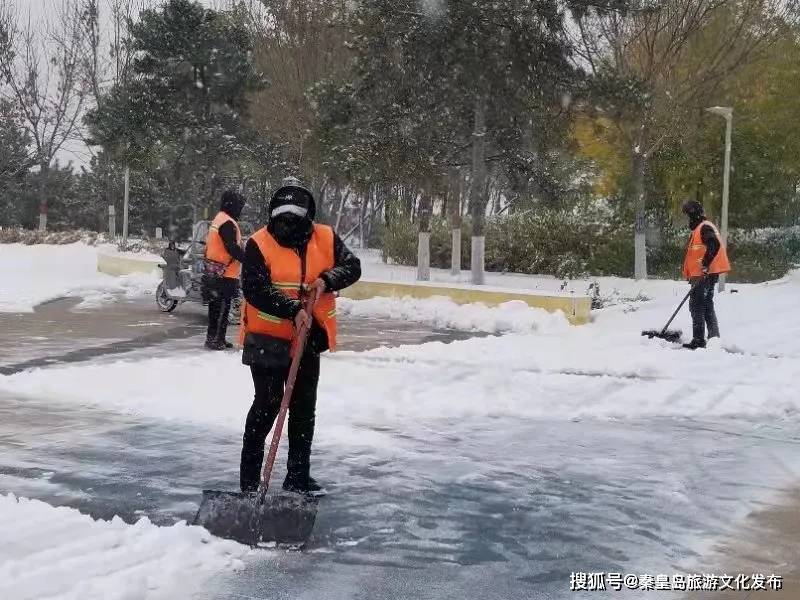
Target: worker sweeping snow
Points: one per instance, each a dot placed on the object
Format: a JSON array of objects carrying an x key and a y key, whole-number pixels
[
  {"x": 706, "y": 259},
  {"x": 289, "y": 259}
]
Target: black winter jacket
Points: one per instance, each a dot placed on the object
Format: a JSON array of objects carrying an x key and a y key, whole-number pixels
[{"x": 227, "y": 232}]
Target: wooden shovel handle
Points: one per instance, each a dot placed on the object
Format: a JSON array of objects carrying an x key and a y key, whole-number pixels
[{"x": 302, "y": 336}]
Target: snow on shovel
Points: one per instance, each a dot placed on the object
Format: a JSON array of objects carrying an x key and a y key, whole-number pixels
[{"x": 256, "y": 518}]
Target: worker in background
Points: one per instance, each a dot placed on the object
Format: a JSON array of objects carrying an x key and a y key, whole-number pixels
[
  {"x": 706, "y": 259},
  {"x": 223, "y": 264}
]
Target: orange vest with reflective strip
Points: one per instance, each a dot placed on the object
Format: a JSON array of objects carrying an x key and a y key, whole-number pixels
[
  {"x": 215, "y": 248},
  {"x": 696, "y": 250},
  {"x": 286, "y": 274}
]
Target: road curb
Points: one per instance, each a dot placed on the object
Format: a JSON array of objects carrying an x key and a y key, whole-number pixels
[{"x": 576, "y": 308}]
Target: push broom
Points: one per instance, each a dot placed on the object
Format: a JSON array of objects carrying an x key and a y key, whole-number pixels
[{"x": 671, "y": 335}]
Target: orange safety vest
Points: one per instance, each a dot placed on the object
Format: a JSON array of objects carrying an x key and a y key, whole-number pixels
[
  {"x": 287, "y": 275},
  {"x": 696, "y": 250},
  {"x": 215, "y": 247}
]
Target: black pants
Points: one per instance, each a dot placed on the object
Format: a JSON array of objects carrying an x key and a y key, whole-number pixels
[
  {"x": 220, "y": 297},
  {"x": 701, "y": 307},
  {"x": 269, "y": 385}
]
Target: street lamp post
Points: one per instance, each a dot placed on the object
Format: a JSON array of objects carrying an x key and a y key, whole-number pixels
[{"x": 727, "y": 113}]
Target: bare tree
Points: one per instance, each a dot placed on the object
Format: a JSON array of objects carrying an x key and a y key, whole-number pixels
[
  {"x": 41, "y": 75},
  {"x": 106, "y": 63},
  {"x": 108, "y": 57},
  {"x": 298, "y": 44},
  {"x": 663, "y": 60}
]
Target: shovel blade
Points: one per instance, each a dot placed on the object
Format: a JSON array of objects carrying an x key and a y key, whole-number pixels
[
  {"x": 671, "y": 335},
  {"x": 283, "y": 518}
]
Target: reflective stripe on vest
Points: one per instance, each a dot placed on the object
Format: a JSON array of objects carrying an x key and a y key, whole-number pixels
[
  {"x": 268, "y": 317},
  {"x": 286, "y": 271},
  {"x": 696, "y": 251},
  {"x": 215, "y": 247}
]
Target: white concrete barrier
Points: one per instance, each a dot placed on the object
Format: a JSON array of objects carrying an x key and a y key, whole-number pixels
[{"x": 112, "y": 263}]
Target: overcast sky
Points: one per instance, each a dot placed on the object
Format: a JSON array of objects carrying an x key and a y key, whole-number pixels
[
  {"x": 39, "y": 10},
  {"x": 39, "y": 7}
]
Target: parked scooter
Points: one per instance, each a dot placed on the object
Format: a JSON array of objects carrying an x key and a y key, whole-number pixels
[{"x": 183, "y": 275}]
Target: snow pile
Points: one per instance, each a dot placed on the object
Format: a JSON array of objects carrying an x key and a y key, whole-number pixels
[
  {"x": 443, "y": 313},
  {"x": 59, "y": 553},
  {"x": 602, "y": 370},
  {"x": 131, "y": 286},
  {"x": 35, "y": 274}
]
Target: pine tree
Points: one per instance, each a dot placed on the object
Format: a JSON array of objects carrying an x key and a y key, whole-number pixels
[
  {"x": 15, "y": 160},
  {"x": 440, "y": 85},
  {"x": 182, "y": 113}
]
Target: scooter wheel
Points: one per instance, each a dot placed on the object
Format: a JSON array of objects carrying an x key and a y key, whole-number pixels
[{"x": 164, "y": 302}]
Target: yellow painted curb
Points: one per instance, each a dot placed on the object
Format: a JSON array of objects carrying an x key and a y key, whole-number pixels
[
  {"x": 111, "y": 264},
  {"x": 577, "y": 309}
]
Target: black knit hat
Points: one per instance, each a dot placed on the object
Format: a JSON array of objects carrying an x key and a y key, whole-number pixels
[
  {"x": 232, "y": 202},
  {"x": 693, "y": 209},
  {"x": 293, "y": 198}
]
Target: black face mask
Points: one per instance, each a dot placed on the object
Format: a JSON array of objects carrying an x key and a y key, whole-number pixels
[
  {"x": 291, "y": 231},
  {"x": 695, "y": 220}
]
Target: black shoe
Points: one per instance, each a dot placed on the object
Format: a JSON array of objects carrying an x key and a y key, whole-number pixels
[
  {"x": 695, "y": 344},
  {"x": 228, "y": 345},
  {"x": 314, "y": 488},
  {"x": 307, "y": 486},
  {"x": 214, "y": 345}
]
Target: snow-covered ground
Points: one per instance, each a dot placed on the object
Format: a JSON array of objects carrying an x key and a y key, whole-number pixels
[
  {"x": 620, "y": 374},
  {"x": 542, "y": 373},
  {"x": 38, "y": 273},
  {"x": 52, "y": 553}
]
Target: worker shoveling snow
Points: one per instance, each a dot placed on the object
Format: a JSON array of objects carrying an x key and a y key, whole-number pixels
[{"x": 258, "y": 517}]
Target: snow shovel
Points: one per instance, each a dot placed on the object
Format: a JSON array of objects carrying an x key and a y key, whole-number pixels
[
  {"x": 256, "y": 518},
  {"x": 671, "y": 335}
]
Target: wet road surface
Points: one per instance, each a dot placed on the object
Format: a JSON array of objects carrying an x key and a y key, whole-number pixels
[
  {"x": 497, "y": 509},
  {"x": 61, "y": 332},
  {"x": 456, "y": 509}
]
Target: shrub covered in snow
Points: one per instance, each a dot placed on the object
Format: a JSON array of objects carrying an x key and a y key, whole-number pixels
[
  {"x": 18, "y": 235},
  {"x": 756, "y": 255},
  {"x": 30, "y": 237}
]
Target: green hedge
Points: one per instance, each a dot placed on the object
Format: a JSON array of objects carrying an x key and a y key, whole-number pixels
[
  {"x": 755, "y": 256},
  {"x": 568, "y": 245},
  {"x": 399, "y": 243}
]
